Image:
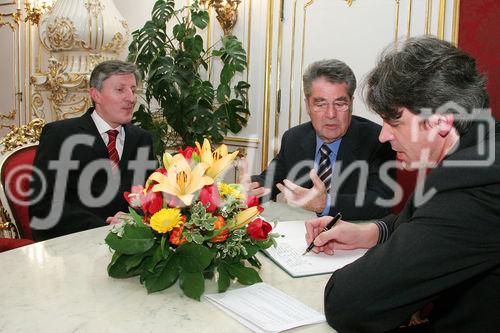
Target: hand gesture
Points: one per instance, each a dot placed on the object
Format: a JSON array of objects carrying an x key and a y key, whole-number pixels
[
  {"x": 313, "y": 199},
  {"x": 251, "y": 188}
]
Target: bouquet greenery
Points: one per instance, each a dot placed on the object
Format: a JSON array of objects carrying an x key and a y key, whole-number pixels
[{"x": 186, "y": 224}]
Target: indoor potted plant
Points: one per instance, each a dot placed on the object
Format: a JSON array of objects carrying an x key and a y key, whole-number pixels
[{"x": 174, "y": 64}]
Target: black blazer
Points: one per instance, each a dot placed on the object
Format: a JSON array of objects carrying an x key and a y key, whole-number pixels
[
  {"x": 360, "y": 144},
  {"x": 444, "y": 252},
  {"x": 75, "y": 214}
]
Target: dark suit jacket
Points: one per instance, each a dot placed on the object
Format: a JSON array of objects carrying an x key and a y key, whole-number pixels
[
  {"x": 360, "y": 144},
  {"x": 76, "y": 215},
  {"x": 444, "y": 252}
]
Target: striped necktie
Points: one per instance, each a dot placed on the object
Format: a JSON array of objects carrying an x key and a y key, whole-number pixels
[
  {"x": 325, "y": 166},
  {"x": 112, "y": 152}
]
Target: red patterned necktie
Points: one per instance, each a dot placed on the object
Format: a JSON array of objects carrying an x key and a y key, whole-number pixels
[{"x": 112, "y": 152}]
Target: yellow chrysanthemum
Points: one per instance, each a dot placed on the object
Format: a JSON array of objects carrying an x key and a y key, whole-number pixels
[
  {"x": 231, "y": 190},
  {"x": 166, "y": 219}
]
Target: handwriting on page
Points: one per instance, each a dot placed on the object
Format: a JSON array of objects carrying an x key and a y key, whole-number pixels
[{"x": 288, "y": 253}]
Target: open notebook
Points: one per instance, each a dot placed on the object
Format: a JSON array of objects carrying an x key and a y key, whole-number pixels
[{"x": 288, "y": 253}]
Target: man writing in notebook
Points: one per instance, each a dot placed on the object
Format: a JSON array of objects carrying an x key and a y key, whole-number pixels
[
  {"x": 437, "y": 264},
  {"x": 331, "y": 163}
]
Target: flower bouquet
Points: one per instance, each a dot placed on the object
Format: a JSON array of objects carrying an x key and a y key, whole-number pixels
[{"x": 186, "y": 224}]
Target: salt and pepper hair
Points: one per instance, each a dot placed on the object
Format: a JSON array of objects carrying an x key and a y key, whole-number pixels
[
  {"x": 333, "y": 70},
  {"x": 425, "y": 73},
  {"x": 108, "y": 68}
]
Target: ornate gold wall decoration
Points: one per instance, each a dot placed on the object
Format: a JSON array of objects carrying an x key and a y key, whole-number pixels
[
  {"x": 117, "y": 43},
  {"x": 19, "y": 136},
  {"x": 61, "y": 34},
  {"x": 349, "y": 2},
  {"x": 16, "y": 18},
  {"x": 227, "y": 13},
  {"x": 95, "y": 7}
]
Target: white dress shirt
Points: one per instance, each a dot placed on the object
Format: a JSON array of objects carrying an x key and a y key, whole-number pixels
[{"x": 103, "y": 127}]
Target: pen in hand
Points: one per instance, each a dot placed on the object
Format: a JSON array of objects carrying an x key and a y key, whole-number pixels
[{"x": 327, "y": 227}]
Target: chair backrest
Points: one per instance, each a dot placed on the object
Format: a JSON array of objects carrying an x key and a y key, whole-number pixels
[
  {"x": 15, "y": 176},
  {"x": 16, "y": 165}
]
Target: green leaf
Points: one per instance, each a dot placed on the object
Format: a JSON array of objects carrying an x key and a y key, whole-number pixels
[
  {"x": 245, "y": 275},
  {"x": 194, "y": 46},
  {"x": 194, "y": 257},
  {"x": 164, "y": 275},
  {"x": 179, "y": 32},
  {"x": 223, "y": 91},
  {"x": 134, "y": 240},
  {"x": 163, "y": 10},
  {"x": 199, "y": 18},
  {"x": 117, "y": 268},
  {"x": 224, "y": 280},
  {"x": 192, "y": 283},
  {"x": 227, "y": 74},
  {"x": 137, "y": 218}
]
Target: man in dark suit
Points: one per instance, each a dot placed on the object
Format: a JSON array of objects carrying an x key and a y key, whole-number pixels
[
  {"x": 83, "y": 165},
  {"x": 351, "y": 182},
  {"x": 437, "y": 264}
]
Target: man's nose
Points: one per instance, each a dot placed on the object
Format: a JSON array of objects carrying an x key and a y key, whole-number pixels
[
  {"x": 130, "y": 96},
  {"x": 331, "y": 112},
  {"x": 385, "y": 133}
]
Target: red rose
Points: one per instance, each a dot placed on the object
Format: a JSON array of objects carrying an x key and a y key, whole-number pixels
[
  {"x": 258, "y": 229},
  {"x": 151, "y": 202},
  {"x": 210, "y": 195},
  {"x": 254, "y": 201},
  {"x": 188, "y": 152}
]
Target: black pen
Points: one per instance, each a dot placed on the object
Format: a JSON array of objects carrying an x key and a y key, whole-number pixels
[{"x": 325, "y": 228}]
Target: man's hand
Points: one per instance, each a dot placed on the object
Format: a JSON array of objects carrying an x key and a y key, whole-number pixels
[
  {"x": 251, "y": 188},
  {"x": 118, "y": 218},
  {"x": 343, "y": 236},
  {"x": 313, "y": 199}
]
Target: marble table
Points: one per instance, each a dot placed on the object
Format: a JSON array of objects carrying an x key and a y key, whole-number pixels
[{"x": 61, "y": 285}]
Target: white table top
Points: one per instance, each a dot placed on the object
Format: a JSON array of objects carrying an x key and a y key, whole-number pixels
[{"x": 61, "y": 285}]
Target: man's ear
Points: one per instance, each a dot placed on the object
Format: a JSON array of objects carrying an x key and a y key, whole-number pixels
[
  {"x": 445, "y": 123},
  {"x": 94, "y": 94},
  {"x": 306, "y": 102}
]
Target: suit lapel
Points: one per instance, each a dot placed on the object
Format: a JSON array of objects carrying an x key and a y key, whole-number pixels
[
  {"x": 129, "y": 145},
  {"x": 88, "y": 126},
  {"x": 307, "y": 141},
  {"x": 349, "y": 146}
]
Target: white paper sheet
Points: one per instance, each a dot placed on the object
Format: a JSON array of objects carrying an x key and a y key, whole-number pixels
[
  {"x": 288, "y": 253},
  {"x": 263, "y": 308}
]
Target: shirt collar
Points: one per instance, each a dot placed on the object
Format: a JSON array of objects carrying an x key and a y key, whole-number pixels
[
  {"x": 334, "y": 146},
  {"x": 102, "y": 125}
]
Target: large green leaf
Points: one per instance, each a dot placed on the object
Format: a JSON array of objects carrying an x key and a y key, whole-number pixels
[
  {"x": 194, "y": 257},
  {"x": 245, "y": 275},
  {"x": 192, "y": 283},
  {"x": 164, "y": 275},
  {"x": 200, "y": 18},
  {"x": 224, "y": 280},
  {"x": 134, "y": 240},
  {"x": 117, "y": 268},
  {"x": 163, "y": 10}
]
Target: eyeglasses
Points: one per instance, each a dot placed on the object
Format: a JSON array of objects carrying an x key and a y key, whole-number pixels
[{"x": 322, "y": 106}]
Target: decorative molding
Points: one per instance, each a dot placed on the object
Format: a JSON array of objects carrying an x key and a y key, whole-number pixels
[
  {"x": 61, "y": 34},
  {"x": 349, "y": 2},
  {"x": 441, "y": 19},
  {"x": 456, "y": 20},
  {"x": 396, "y": 30},
  {"x": 428, "y": 16},
  {"x": 267, "y": 84},
  {"x": 408, "y": 24},
  {"x": 20, "y": 136}
]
